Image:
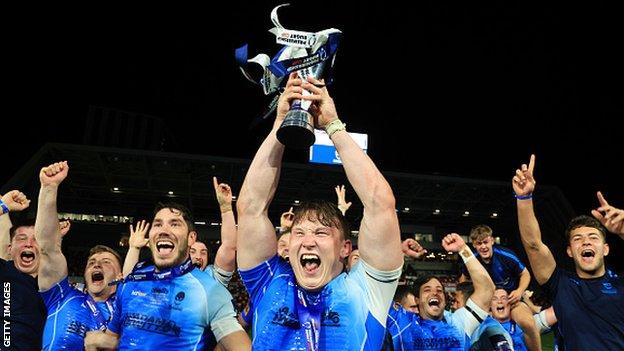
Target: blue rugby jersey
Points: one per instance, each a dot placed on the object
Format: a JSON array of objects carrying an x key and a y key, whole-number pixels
[
  {"x": 69, "y": 316},
  {"x": 173, "y": 314},
  {"x": 354, "y": 307},
  {"x": 504, "y": 268},
  {"x": 516, "y": 333},
  {"x": 411, "y": 332}
]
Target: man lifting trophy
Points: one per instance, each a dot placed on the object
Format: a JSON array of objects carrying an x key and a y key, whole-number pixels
[{"x": 308, "y": 54}]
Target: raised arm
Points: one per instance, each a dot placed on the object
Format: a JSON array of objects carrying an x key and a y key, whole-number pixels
[
  {"x": 610, "y": 217},
  {"x": 483, "y": 285},
  {"x": 53, "y": 265},
  {"x": 136, "y": 242},
  {"x": 379, "y": 240},
  {"x": 540, "y": 258},
  {"x": 13, "y": 201},
  {"x": 412, "y": 248},
  {"x": 257, "y": 236},
  {"x": 226, "y": 254}
]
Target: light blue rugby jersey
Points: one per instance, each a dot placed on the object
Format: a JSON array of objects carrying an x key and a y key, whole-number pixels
[
  {"x": 516, "y": 333},
  {"x": 69, "y": 317},
  {"x": 410, "y": 332},
  {"x": 174, "y": 314},
  {"x": 355, "y": 307}
]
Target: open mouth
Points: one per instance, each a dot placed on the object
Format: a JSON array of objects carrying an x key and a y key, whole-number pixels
[
  {"x": 434, "y": 302},
  {"x": 27, "y": 256},
  {"x": 588, "y": 253},
  {"x": 97, "y": 277},
  {"x": 165, "y": 247},
  {"x": 198, "y": 263},
  {"x": 310, "y": 262},
  {"x": 500, "y": 308}
]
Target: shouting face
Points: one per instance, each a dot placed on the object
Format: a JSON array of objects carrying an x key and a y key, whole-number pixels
[
  {"x": 24, "y": 250},
  {"x": 588, "y": 248},
  {"x": 500, "y": 306},
  {"x": 169, "y": 238},
  {"x": 316, "y": 252},
  {"x": 102, "y": 268},
  {"x": 432, "y": 300},
  {"x": 199, "y": 255}
]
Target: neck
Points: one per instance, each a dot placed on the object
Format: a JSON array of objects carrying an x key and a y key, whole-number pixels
[
  {"x": 503, "y": 320},
  {"x": 157, "y": 269},
  {"x": 103, "y": 296},
  {"x": 599, "y": 272}
]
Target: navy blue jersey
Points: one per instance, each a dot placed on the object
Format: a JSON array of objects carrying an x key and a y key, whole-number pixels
[
  {"x": 590, "y": 312},
  {"x": 69, "y": 317},
  {"x": 504, "y": 268},
  {"x": 23, "y": 312},
  {"x": 354, "y": 308}
]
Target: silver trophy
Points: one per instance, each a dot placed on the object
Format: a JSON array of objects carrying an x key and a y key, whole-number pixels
[
  {"x": 306, "y": 53},
  {"x": 297, "y": 129}
]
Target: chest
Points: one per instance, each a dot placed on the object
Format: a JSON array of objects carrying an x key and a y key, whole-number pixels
[
  {"x": 434, "y": 335},
  {"x": 280, "y": 319}
]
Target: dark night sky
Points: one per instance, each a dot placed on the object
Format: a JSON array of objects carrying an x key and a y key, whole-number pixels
[{"x": 456, "y": 89}]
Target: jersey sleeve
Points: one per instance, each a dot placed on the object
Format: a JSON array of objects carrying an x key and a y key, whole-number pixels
[
  {"x": 512, "y": 260},
  {"x": 57, "y": 292},
  {"x": 379, "y": 287},
  {"x": 258, "y": 278},
  {"x": 550, "y": 286},
  {"x": 469, "y": 317},
  {"x": 221, "y": 275},
  {"x": 221, "y": 314}
]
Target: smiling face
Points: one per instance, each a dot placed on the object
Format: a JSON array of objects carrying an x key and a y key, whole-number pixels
[
  {"x": 499, "y": 307},
  {"x": 170, "y": 238},
  {"x": 588, "y": 248},
  {"x": 102, "y": 268},
  {"x": 431, "y": 299},
  {"x": 316, "y": 251},
  {"x": 24, "y": 250},
  {"x": 199, "y": 255}
]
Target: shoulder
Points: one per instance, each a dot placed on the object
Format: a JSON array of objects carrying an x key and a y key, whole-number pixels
[
  {"x": 505, "y": 253},
  {"x": 203, "y": 278},
  {"x": 501, "y": 250}
]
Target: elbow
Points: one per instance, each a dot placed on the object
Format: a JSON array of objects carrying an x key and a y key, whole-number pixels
[
  {"x": 245, "y": 206},
  {"x": 381, "y": 198},
  {"x": 531, "y": 245}
]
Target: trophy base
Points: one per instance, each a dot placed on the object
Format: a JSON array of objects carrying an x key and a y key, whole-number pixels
[{"x": 296, "y": 131}]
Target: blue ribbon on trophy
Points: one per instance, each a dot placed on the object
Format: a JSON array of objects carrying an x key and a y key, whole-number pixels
[{"x": 307, "y": 54}]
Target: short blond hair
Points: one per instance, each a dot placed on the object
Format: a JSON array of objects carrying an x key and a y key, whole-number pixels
[{"x": 480, "y": 232}]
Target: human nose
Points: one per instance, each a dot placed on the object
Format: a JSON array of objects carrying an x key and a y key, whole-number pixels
[{"x": 308, "y": 240}]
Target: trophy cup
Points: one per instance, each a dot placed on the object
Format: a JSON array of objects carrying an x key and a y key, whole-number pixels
[{"x": 308, "y": 54}]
